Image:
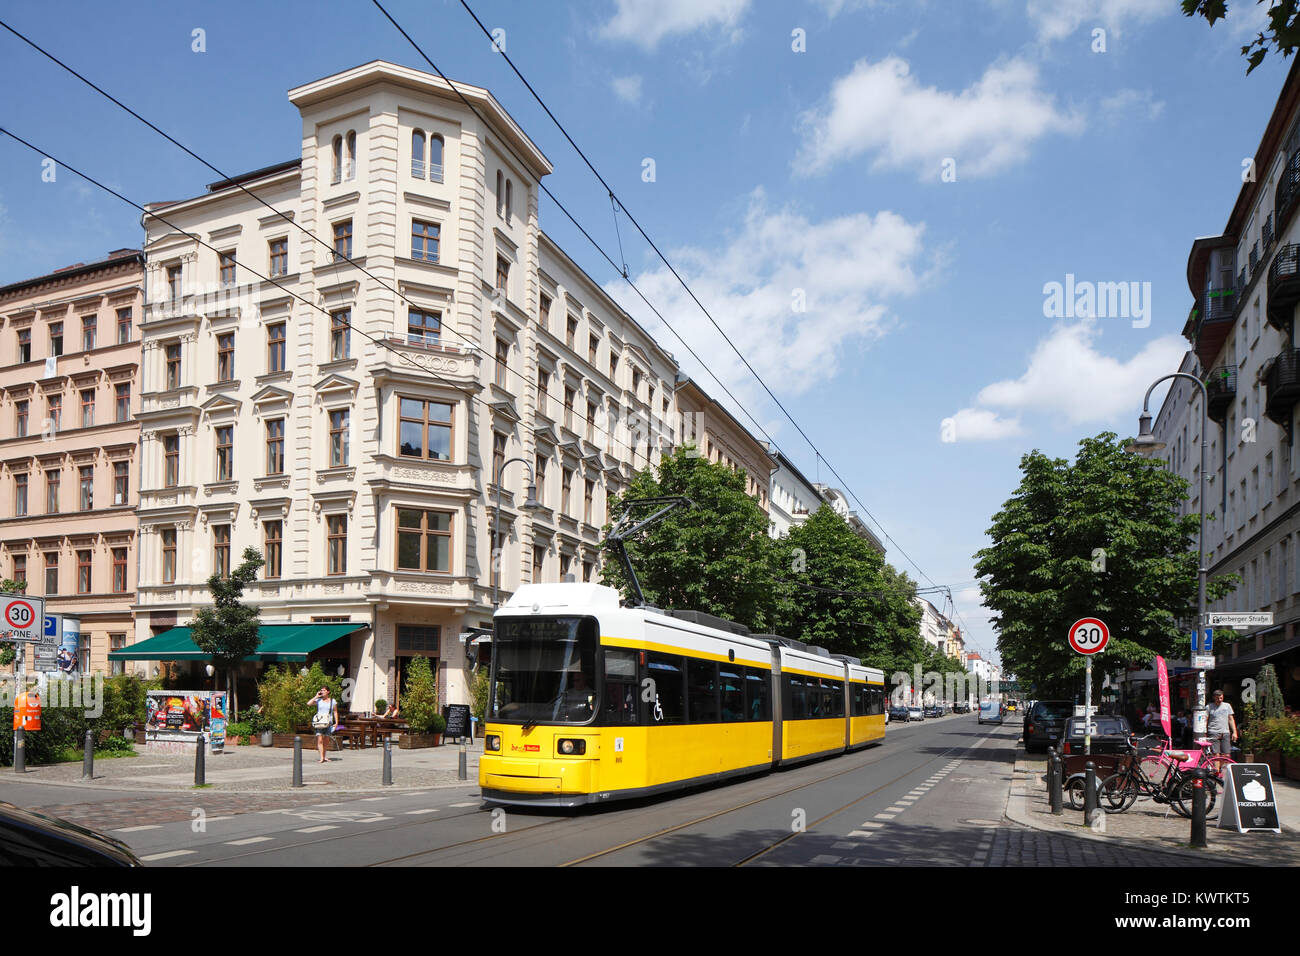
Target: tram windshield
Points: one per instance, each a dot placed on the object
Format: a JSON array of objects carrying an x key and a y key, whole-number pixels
[{"x": 545, "y": 669}]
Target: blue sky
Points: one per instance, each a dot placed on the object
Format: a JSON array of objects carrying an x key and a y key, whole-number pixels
[{"x": 778, "y": 175}]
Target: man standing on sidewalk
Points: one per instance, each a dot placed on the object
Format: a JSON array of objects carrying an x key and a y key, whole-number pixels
[{"x": 1223, "y": 726}]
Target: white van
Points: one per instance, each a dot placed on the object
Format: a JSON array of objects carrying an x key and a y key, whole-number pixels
[{"x": 990, "y": 712}]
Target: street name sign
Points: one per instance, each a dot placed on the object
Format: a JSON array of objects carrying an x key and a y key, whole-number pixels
[
  {"x": 1240, "y": 618},
  {"x": 1248, "y": 800},
  {"x": 22, "y": 618},
  {"x": 1089, "y": 635},
  {"x": 1204, "y": 662}
]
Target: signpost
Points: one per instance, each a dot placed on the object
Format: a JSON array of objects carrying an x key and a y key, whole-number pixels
[
  {"x": 22, "y": 620},
  {"x": 1088, "y": 636}
]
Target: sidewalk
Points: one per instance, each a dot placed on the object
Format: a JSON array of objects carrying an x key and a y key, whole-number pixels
[
  {"x": 1145, "y": 825},
  {"x": 265, "y": 770}
]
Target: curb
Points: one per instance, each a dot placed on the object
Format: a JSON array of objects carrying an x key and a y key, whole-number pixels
[{"x": 216, "y": 787}]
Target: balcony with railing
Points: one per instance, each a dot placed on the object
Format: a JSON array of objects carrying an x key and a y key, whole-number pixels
[
  {"x": 1287, "y": 193},
  {"x": 1283, "y": 383},
  {"x": 1221, "y": 386},
  {"x": 1284, "y": 286}
]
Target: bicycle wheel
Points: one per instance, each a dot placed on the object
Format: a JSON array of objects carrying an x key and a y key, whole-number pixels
[
  {"x": 1119, "y": 791},
  {"x": 1185, "y": 793},
  {"x": 1216, "y": 765},
  {"x": 1074, "y": 792},
  {"x": 1153, "y": 767}
]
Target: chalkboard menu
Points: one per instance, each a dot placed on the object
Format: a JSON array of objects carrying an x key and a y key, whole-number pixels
[
  {"x": 457, "y": 720},
  {"x": 1248, "y": 800}
]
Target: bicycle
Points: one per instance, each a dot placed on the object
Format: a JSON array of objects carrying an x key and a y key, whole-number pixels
[
  {"x": 1176, "y": 786},
  {"x": 1205, "y": 757}
]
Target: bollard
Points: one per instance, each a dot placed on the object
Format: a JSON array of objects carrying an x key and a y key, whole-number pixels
[
  {"x": 200, "y": 771},
  {"x": 388, "y": 763},
  {"x": 1051, "y": 768},
  {"x": 20, "y": 751},
  {"x": 88, "y": 761},
  {"x": 297, "y": 761},
  {"x": 1198, "y": 807},
  {"x": 1089, "y": 792},
  {"x": 462, "y": 771},
  {"x": 1056, "y": 794}
]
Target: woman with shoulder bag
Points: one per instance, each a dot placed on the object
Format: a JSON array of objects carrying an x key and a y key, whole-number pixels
[{"x": 324, "y": 720}]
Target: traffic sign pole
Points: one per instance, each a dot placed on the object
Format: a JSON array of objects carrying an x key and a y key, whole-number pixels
[
  {"x": 1088, "y": 636},
  {"x": 1087, "y": 707}
]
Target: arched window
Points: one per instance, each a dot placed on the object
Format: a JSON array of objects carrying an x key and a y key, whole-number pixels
[
  {"x": 417, "y": 153},
  {"x": 350, "y": 169},
  {"x": 501, "y": 191},
  {"x": 435, "y": 158},
  {"x": 510, "y": 202},
  {"x": 337, "y": 174}
]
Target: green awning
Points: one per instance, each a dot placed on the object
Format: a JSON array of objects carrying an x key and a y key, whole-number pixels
[{"x": 279, "y": 642}]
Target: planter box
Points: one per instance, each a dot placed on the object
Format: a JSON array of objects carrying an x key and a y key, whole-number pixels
[
  {"x": 1274, "y": 760},
  {"x": 417, "y": 741},
  {"x": 1292, "y": 767},
  {"x": 286, "y": 740}
]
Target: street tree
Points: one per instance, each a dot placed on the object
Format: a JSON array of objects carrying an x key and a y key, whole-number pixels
[
  {"x": 228, "y": 629},
  {"x": 1099, "y": 537},
  {"x": 1282, "y": 34},
  {"x": 8, "y": 586}
]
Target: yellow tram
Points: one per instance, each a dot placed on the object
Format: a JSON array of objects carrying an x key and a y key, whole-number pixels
[{"x": 595, "y": 702}]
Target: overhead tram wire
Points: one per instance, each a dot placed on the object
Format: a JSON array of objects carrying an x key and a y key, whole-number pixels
[
  {"x": 337, "y": 257},
  {"x": 678, "y": 277}
]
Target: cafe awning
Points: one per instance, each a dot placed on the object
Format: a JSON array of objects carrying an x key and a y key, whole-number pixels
[
  {"x": 278, "y": 642},
  {"x": 1250, "y": 663}
]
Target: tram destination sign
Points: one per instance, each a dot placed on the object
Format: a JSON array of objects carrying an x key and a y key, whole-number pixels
[{"x": 1239, "y": 618}]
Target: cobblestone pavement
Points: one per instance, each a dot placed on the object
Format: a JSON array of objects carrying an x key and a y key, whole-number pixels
[
  {"x": 172, "y": 807},
  {"x": 1020, "y": 846}
]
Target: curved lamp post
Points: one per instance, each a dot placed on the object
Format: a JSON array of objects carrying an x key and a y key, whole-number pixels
[
  {"x": 530, "y": 504},
  {"x": 1146, "y": 444}
]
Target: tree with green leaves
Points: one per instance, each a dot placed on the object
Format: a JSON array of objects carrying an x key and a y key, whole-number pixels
[
  {"x": 1283, "y": 32},
  {"x": 715, "y": 557},
  {"x": 1268, "y": 693},
  {"x": 228, "y": 629},
  {"x": 1099, "y": 537},
  {"x": 8, "y": 586}
]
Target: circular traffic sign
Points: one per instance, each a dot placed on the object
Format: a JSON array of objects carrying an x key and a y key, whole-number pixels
[
  {"x": 19, "y": 615},
  {"x": 1089, "y": 635}
]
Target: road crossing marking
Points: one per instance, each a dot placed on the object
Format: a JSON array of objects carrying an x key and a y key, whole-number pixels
[
  {"x": 151, "y": 826},
  {"x": 164, "y": 856},
  {"x": 871, "y": 826},
  {"x": 824, "y": 858},
  {"x": 472, "y": 803},
  {"x": 246, "y": 841},
  {"x": 327, "y": 826},
  {"x": 861, "y": 833},
  {"x": 886, "y": 816}
]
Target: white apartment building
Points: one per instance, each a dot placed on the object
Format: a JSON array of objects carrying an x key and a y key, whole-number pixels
[
  {"x": 792, "y": 498},
  {"x": 349, "y": 420},
  {"x": 934, "y": 626}
]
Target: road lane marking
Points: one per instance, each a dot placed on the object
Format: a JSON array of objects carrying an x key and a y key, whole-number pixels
[
  {"x": 427, "y": 810},
  {"x": 164, "y": 856},
  {"x": 861, "y": 833},
  {"x": 886, "y": 816},
  {"x": 374, "y": 819},
  {"x": 247, "y": 841},
  {"x": 327, "y": 826},
  {"x": 370, "y": 799},
  {"x": 870, "y": 826},
  {"x": 150, "y": 826},
  {"x": 472, "y": 803}
]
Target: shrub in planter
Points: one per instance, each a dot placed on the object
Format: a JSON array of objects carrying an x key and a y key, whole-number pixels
[
  {"x": 286, "y": 694},
  {"x": 381, "y": 705},
  {"x": 420, "y": 701}
]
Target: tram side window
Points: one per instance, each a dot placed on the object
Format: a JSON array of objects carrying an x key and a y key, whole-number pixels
[
  {"x": 732, "y": 685},
  {"x": 877, "y": 700},
  {"x": 620, "y": 706},
  {"x": 702, "y": 687},
  {"x": 758, "y": 684},
  {"x": 669, "y": 688},
  {"x": 859, "y": 700},
  {"x": 798, "y": 699},
  {"x": 814, "y": 697},
  {"x": 837, "y": 696}
]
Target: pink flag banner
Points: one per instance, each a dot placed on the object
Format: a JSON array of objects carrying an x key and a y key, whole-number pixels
[{"x": 1162, "y": 676}]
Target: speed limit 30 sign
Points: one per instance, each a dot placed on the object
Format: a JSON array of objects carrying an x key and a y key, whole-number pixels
[
  {"x": 21, "y": 618},
  {"x": 1089, "y": 635}
]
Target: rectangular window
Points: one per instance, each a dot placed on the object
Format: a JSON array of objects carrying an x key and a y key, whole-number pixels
[
  {"x": 20, "y": 568},
  {"x": 414, "y": 638},
  {"x": 87, "y": 407},
  {"x": 340, "y": 335},
  {"x": 117, "y": 642},
  {"x": 543, "y": 388},
  {"x": 571, "y": 332},
  {"x": 587, "y": 567},
  {"x": 221, "y": 550},
  {"x": 52, "y": 480},
  {"x": 343, "y": 240},
  {"x": 566, "y": 490},
  {"x": 51, "y": 572},
  {"x": 423, "y": 540},
  {"x": 227, "y": 262},
  {"x": 119, "y": 570},
  {"x": 539, "y": 561},
  {"x": 89, "y": 325},
  {"x": 56, "y": 338},
  {"x": 171, "y": 461},
  {"x": 225, "y": 452},
  {"x": 621, "y": 688},
  {"x": 174, "y": 282},
  {"x": 423, "y": 328},
  {"x": 226, "y": 357},
  {"x": 543, "y": 309},
  {"x": 502, "y": 357},
  {"x": 24, "y": 345},
  {"x": 173, "y": 360},
  {"x": 20, "y": 419},
  {"x": 424, "y": 429},
  {"x": 20, "y": 495},
  {"x": 503, "y": 275},
  {"x": 593, "y": 349},
  {"x": 337, "y": 540},
  {"x": 54, "y": 404},
  {"x": 702, "y": 691},
  {"x": 275, "y": 347},
  {"x": 424, "y": 240},
  {"x": 588, "y": 494},
  {"x": 339, "y": 444},
  {"x": 539, "y": 476},
  {"x": 86, "y": 479},
  {"x": 121, "y": 482},
  {"x": 591, "y": 421},
  {"x": 498, "y": 456},
  {"x": 566, "y": 560},
  {"x": 636, "y": 384},
  {"x": 613, "y": 367},
  {"x": 569, "y": 396},
  {"x": 668, "y": 682},
  {"x": 275, "y": 446},
  {"x": 123, "y": 326},
  {"x": 731, "y": 687},
  {"x": 279, "y": 257},
  {"x": 83, "y": 572},
  {"x": 272, "y": 547},
  {"x": 758, "y": 703},
  {"x": 122, "y": 401},
  {"x": 169, "y": 555}
]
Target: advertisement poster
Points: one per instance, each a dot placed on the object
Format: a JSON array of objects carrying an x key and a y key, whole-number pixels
[
  {"x": 217, "y": 721},
  {"x": 179, "y": 711},
  {"x": 69, "y": 653}
]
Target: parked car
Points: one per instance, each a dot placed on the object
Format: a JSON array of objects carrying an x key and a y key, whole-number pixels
[
  {"x": 1110, "y": 735},
  {"x": 1044, "y": 724},
  {"x": 28, "y": 838},
  {"x": 898, "y": 713},
  {"x": 933, "y": 710},
  {"x": 961, "y": 708},
  {"x": 990, "y": 712},
  {"x": 915, "y": 713}
]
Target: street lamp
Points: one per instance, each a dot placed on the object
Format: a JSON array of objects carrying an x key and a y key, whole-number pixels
[
  {"x": 530, "y": 504},
  {"x": 1146, "y": 445}
]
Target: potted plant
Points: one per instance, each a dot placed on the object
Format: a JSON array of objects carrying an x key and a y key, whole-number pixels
[
  {"x": 420, "y": 708},
  {"x": 381, "y": 705},
  {"x": 1290, "y": 746}
]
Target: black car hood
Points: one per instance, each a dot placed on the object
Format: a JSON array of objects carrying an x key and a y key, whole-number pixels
[{"x": 28, "y": 838}]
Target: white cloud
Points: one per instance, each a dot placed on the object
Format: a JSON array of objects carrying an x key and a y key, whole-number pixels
[
  {"x": 1058, "y": 19},
  {"x": 880, "y": 109},
  {"x": 1141, "y": 102},
  {"x": 646, "y": 22},
  {"x": 981, "y": 424},
  {"x": 627, "y": 88},
  {"x": 844, "y": 269},
  {"x": 1073, "y": 383}
]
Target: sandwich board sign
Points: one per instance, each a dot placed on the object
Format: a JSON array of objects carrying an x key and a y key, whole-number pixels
[{"x": 1248, "y": 800}]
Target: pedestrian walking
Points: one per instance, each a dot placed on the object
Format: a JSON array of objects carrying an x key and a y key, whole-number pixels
[
  {"x": 1223, "y": 725},
  {"x": 324, "y": 720}
]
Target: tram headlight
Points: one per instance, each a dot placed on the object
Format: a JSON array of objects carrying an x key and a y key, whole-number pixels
[
  {"x": 493, "y": 742},
  {"x": 571, "y": 747}
]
